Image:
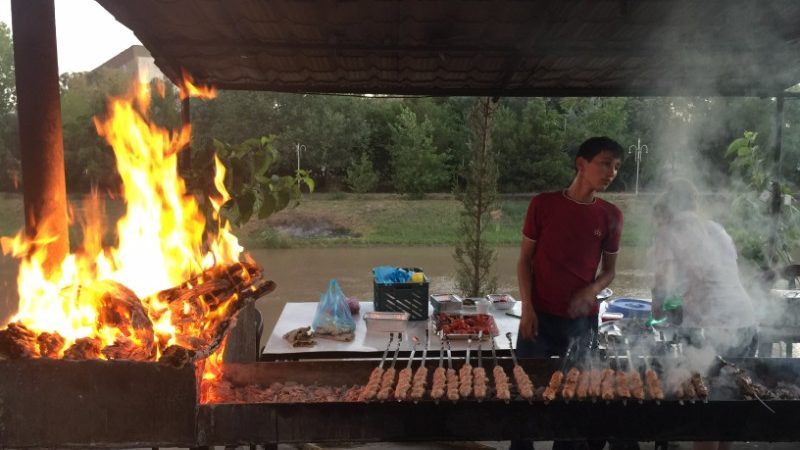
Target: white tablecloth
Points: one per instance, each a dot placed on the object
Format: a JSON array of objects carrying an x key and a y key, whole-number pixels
[{"x": 296, "y": 315}]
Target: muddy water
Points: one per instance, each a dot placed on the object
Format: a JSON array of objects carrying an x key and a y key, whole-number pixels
[{"x": 302, "y": 274}]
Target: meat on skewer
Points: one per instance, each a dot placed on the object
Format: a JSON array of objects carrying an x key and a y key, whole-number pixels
[
  {"x": 479, "y": 382},
  {"x": 595, "y": 379},
  {"x": 688, "y": 390},
  {"x": 636, "y": 385},
  {"x": 699, "y": 386},
  {"x": 465, "y": 380},
  {"x": 438, "y": 384},
  {"x": 570, "y": 384},
  {"x": 403, "y": 384},
  {"x": 419, "y": 383},
  {"x": 552, "y": 387},
  {"x": 622, "y": 385},
  {"x": 524, "y": 383},
  {"x": 502, "y": 390},
  {"x": 452, "y": 385},
  {"x": 653, "y": 385},
  {"x": 607, "y": 384},
  {"x": 372, "y": 386},
  {"x": 387, "y": 383},
  {"x": 582, "y": 391}
]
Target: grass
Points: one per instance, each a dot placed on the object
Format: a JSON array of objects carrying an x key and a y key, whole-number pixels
[{"x": 370, "y": 220}]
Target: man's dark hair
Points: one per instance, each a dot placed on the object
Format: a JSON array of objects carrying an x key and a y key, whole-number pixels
[{"x": 594, "y": 145}]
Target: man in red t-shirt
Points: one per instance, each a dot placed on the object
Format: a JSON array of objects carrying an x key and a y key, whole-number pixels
[{"x": 567, "y": 235}]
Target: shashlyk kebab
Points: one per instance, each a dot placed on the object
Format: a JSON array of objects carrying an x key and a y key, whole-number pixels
[
  {"x": 465, "y": 374},
  {"x": 501, "y": 388},
  {"x": 570, "y": 384},
  {"x": 387, "y": 380},
  {"x": 524, "y": 383},
  {"x": 420, "y": 379},
  {"x": 479, "y": 379},
  {"x": 653, "y": 384},
  {"x": 700, "y": 387},
  {"x": 404, "y": 377},
  {"x": 374, "y": 382},
  {"x": 595, "y": 382},
  {"x": 452, "y": 376},
  {"x": 635, "y": 384},
  {"x": 555, "y": 379},
  {"x": 439, "y": 377},
  {"x": 745, "y": 383},
  {"x": 584, "y": 379},
  {"x": 623, "y": 392}
]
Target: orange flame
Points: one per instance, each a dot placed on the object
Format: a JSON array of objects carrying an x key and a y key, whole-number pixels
[
  {"x": 162, "y": 241},
  {"x": 188, "y": 88}
]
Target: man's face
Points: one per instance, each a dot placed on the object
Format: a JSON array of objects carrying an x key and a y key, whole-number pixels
[{"x": 600, "y": 171}]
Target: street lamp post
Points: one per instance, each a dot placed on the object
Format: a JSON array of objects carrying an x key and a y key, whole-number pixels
[
  {"x": 299, "y": 147},
  {"x": 637, "y": 150}
]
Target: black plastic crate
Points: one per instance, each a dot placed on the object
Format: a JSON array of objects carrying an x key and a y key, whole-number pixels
[{"x": 409, "y": 297}]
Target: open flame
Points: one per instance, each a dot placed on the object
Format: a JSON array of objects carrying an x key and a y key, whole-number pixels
[{"x": 120, "y": 296}]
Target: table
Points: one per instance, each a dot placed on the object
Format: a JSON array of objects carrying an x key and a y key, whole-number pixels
[{"x": 368, "y": 344}]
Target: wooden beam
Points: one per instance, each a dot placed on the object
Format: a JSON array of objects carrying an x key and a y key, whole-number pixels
[{"x": 39, "y": 112}]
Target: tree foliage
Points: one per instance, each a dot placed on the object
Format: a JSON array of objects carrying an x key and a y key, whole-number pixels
[
  {"x": 474, "y": 257},
  {"x": 361, "y": 176},
  {"x": 254, "y": 190},
  {"x": 418, "y": 167}
]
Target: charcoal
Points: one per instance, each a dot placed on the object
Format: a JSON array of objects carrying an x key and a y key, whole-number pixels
[
  {"x": 17, "y": 342},
  {"x": 50, "y": 344},
  {"x": 83, "y": 349}
]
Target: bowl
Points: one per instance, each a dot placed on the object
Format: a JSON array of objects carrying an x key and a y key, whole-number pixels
[{"x": 501, "y": 301}]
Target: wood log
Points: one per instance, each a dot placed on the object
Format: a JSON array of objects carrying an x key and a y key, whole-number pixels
[{"x": 17, "y": 342}]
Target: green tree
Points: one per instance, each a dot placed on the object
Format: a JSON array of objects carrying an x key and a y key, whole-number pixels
[
  {"x": 474, "y": 257},
  {"x": 417, "y": 166},
  {"x": 361, "y": 175},
  {"x": 10, "y": 171},
  {"x": 762, "y": 238}
]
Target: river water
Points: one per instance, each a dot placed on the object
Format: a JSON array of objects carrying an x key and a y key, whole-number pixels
[{"x": 303, "y": 274}]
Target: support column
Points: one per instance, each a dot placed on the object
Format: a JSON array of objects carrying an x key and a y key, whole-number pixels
[
  {"x": 39, "y": 112},
  {"x": 185, "y": 156},
  {"x": 777, "y": 135}
]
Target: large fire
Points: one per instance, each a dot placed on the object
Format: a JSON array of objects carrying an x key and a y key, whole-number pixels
[{"x": 157, "y": 285}]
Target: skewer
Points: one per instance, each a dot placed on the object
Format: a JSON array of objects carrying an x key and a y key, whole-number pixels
[
  {"x": 500, "y": 378},
  {"x": 421, "y": 375},
  {"x": 439, "y": 377},
  {"x": 479, "y": 374},
  {"x": 622, "y": 381},
  {"x": 635, "y": 381},
  {"x": 373, "y": 384},
  {"x": 465, "y": 374},
  {"x": 387, "y": 380},
  {"x": 741, "y": 373},
  {"x": 524, "y": 383},
  {"x": 404, "y": 377},
  {"x": 452, "y": 377}
]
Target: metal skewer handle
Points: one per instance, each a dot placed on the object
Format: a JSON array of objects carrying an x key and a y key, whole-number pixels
[{"x": 386, "y": 352}]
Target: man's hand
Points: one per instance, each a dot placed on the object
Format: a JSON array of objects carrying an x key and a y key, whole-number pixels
[
  {"x": 529, "y": 324},
  {"x": 582, "y": 302}
]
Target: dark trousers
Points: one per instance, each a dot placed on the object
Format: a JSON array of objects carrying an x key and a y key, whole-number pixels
[{"x": 555, "y": 335}]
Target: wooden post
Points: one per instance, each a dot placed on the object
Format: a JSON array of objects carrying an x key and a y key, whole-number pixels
[
  {"x": 39, "y": 112},
  {"x": 185, "y": 156}
]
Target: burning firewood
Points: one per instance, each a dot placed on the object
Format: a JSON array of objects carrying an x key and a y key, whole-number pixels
[
  {"x": 17, "y": 341},
  {"x": 84, "y": 348},
  {"x": 50, "y": 344},
  {"x": 176, "y": 356}
]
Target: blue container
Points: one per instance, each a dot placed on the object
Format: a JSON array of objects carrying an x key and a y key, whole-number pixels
[{"x": 634, "y": 308}]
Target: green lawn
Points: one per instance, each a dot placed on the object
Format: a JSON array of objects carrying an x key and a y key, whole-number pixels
[{"x": 369, "y": 220}]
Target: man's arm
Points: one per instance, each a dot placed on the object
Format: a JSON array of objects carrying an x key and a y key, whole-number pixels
[
  {"x": 583, "y": 300},
  {"x": 529, "y": 323}
]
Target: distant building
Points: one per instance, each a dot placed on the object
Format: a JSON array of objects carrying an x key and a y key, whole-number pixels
[{"x": 134, "y": 61}]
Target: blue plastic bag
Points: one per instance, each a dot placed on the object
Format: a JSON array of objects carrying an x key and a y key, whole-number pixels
[
  {"x": 333, "y": 317},
  {"x": 390, "y": 275}
]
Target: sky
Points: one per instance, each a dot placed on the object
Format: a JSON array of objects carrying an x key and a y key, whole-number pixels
[{"x": 87, "y": 35}]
